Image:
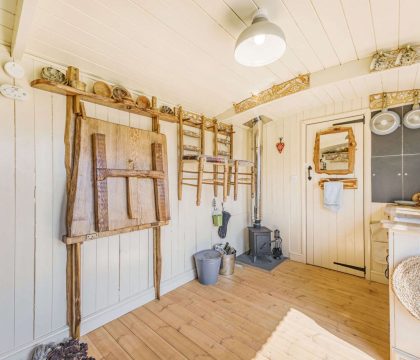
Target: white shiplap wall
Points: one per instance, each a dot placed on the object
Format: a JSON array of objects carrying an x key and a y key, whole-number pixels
[
  {"x": 116, "y": 271},
  {"x": 283, "y": 173}
]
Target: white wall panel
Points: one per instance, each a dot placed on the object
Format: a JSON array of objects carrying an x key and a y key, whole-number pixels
[
  {"x": 25, "y": 208},
  {"x": 116, "y": 271},
  {"x": 7, "y": 221}
]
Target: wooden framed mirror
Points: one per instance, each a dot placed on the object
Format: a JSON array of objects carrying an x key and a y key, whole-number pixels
[{"x": 334, "y": 151}]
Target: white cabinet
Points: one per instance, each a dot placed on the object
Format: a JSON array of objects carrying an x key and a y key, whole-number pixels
[{"x": 404, "y": 328}]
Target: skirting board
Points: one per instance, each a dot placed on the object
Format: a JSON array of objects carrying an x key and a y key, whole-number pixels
[
  {"x": 102, "y": 317},
  {"x": 378, "y": 277},
  {"x": 297, "y": 257}
]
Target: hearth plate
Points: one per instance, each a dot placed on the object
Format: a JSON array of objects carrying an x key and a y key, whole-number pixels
[{"x": 266, "y": 263}]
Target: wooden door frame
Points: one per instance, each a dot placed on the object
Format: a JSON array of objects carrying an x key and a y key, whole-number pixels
[{"x": 367, "y": 191}]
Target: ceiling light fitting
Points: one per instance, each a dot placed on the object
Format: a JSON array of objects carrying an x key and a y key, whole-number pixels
[{"x": 261, "y": 43}]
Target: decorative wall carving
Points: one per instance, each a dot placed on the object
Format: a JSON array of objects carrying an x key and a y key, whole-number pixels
[
  {"x": 389, "y": 99},
  {"x": 275, "y": 92},
  {"x": 384, "y": 60}
]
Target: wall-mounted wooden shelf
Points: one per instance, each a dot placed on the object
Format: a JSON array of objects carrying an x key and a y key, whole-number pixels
[
  {"x": 348, "y": 183},
  {"x": 100, "y": 100}
]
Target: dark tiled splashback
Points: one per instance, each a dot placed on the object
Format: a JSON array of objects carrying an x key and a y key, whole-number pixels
[{"x": 396, "y": 162}]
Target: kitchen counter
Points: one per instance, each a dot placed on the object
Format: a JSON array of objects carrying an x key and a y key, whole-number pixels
[{"x": 403, "y": 228}]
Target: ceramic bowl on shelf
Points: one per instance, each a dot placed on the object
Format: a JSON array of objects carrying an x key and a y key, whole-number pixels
[
  {"x": 120, "y": 93},
  {"x": 102, "y": 88},
  {"x": 51, "y": 74},
  {"x": 166, "y": 110},
  {"x": 143, "y": 102}
]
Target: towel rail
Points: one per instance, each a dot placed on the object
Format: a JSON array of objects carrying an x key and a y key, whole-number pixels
[{"x": 348, "y": 183}]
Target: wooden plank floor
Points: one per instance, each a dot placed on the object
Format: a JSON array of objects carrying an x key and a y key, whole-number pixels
[{"x": 233, "y": 319}]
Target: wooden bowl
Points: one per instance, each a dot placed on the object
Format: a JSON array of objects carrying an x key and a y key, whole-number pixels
[
  {"x": 51, "y": 74},
  {"x": 102, "y": 88},
  {"x": 119, "y": 93},
  {"x": 166, "y": 110},
  {"x": 143, "y": 102}
]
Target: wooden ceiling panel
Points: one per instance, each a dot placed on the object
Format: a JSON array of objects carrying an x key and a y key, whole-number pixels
[
  {"x": 346, "y": 90},
  {"x": 244, "y": 9},
  {"x": 389, "y": 80},
  {"x": 296, "y": 41},
  {"x": 223, "y": 15},
  {"x": 374, "y": 83},
  {"x": 385, "y": 18},
  {"x": 332, "y": 18},
  {"x": 182, "y": 51},
  {"x": 7, "y": 19},
  {"x": 308, "y": 22},
  {"x": 409, "y": 29},
  {"x": 5, "y": 35},
  {"x": 322, "y": 95},
  {"x": 191, "y": 22},
  {"x": 359, "y": 19},
  {"x": 9, "y": 5},
  {"x": 407, "y": 77}
]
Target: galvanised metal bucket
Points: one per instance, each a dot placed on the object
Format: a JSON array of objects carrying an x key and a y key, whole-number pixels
[{"x": 227, "y": 266}]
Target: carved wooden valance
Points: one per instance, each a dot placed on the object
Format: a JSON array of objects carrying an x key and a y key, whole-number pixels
[{"x": 275, "y": 92}]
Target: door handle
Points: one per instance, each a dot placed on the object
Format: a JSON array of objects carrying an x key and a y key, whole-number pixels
[{"x": 309, "y": 172}]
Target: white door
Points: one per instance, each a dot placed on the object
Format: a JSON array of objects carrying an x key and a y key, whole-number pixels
[{"x": 335, "y": 240}]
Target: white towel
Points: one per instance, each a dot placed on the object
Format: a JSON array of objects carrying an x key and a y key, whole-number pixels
[{"x": 333, "y": 193}]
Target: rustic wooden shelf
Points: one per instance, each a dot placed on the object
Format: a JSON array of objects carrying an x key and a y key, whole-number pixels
[{"x": 100, "y": 100}]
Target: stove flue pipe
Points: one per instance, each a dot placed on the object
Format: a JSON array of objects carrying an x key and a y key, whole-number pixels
[{"x": 257, "y": 143}]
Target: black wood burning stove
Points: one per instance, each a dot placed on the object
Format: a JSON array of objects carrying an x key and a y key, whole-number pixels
[{"x": 259, "y": 242}]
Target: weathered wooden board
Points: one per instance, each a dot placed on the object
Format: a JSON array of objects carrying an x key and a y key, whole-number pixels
[{"x": 124, "y": 202}]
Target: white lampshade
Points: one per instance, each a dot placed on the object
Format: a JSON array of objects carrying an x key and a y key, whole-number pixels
[{"x": 261, "y": 43}]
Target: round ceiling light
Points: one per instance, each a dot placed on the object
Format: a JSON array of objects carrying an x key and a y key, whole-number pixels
[{"x": 261, "y": 43}]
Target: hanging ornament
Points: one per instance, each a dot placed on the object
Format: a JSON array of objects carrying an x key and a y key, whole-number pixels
[{"x": 280, "y": 145}]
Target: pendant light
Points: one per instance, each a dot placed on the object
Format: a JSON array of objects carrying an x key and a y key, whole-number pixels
[{"x": 261, "y": 43}]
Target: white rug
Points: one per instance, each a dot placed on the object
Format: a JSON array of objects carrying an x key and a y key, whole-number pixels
[
  {"x": 300, "y": 337},
  {"x": 406, "y": 284}
]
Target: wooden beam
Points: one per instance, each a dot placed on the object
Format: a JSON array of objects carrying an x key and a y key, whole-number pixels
[
  {"x": 25, "y": 11},
  {"x": 82, "y": 238},
  {"x": 101, "y": 186},
  {"x": 157, "y": 260},
  {"x": 162, "y": 212},
  {"x": 102, "y": 174}
]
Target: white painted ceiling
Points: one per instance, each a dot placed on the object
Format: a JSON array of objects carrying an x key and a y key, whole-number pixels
[{"x": 182, "y": 50}]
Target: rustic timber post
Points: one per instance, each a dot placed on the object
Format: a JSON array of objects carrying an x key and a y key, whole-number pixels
[
  {"x": 157, "y": 165},
  {"x": 73, "y": 266},
  {"x": 180, "y": 151},
  {"x": 216, "y": 153}
]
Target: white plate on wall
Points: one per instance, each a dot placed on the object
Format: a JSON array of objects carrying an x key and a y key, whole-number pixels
[{"x": 13, "y": 92}]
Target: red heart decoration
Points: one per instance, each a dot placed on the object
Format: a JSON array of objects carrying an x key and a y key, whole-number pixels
[{"x": 280, "y": 146}]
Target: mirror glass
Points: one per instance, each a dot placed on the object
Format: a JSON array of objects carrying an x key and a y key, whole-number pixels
[{"x": 334, "y": 151}]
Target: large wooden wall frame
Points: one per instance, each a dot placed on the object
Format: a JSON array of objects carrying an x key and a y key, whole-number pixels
[
  {"x": 74, "y": 107},
  {"x": 75, "y": 114},
  {"x": 115, "y": 172}
]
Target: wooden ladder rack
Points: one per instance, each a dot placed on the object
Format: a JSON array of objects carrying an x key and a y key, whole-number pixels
[{"x": 223, "y": 165}]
